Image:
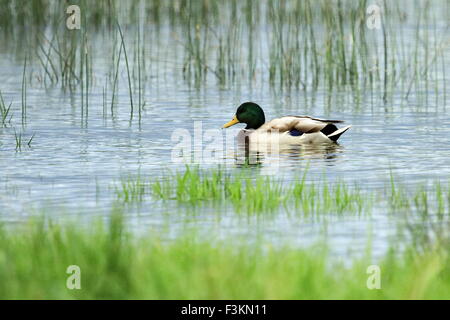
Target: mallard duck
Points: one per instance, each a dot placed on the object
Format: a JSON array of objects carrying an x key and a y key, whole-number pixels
[{"x": 288, "y": 129}]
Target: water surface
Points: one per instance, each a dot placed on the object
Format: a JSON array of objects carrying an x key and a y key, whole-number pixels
[{"x": 75, "y": 160}]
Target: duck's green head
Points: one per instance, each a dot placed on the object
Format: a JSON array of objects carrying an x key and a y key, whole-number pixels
[{"x": 249, "y": 113}]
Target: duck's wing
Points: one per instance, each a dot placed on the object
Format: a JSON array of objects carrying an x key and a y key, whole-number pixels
[
  {"x": 303, "y": 124},
  {"x": 317, "y": 119}
]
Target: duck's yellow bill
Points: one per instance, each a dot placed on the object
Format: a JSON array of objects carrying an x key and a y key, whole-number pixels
[{"x": 231, "y": 123}]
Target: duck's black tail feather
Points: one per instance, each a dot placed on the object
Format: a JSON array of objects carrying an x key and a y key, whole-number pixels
[
  {"x": 329, "y": 129},
  {"x": 337, "y": 133}
]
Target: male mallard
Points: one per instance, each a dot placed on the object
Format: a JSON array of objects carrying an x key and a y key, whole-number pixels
[{"x": 290, "y": 129}]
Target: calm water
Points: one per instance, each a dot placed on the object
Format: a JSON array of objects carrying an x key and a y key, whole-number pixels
[{"x": 74, "y": 161}]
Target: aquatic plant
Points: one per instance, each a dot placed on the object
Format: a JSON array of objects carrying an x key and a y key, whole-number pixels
[
  {"x": 19, "y": 140},
  {"x": 5, "y": 115},
  {"x": 197, "y": 187},
  {"x": 131, "y": 189},
  {"x": 424, "y": 200},
  {"x": 307, "y": 45},
  {"x": 128, "y": 72},
  {"x": 24, "y": 93}
]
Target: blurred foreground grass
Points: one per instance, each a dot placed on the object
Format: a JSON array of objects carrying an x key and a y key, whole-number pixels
[{"x": 115, "y": 264}]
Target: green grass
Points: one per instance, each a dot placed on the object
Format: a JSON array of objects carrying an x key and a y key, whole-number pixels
[
  {"x": 426, "y": 201},
  {"x": 19, "y": 140},
  {"x": 260, "y": 194},
  {"x": 131, "y": 189},
  {"x": 5, "y": 115},
  {"x": 115, "y": 264},
  {"x": 196, "y": 188}
]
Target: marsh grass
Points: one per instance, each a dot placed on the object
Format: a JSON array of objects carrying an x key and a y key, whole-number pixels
[
  {"x": 24, "y": 93},
  {"x": 5, "y": 115},
  {"x": 116, "y": 264},
  {"x": 140, "y": 57},
  {"x": 131, "y": 189},
  {"x": 115, "y": 81},
  {"x": 64, "y": 59},
  {"x": 424, "y": 200},
  {"x": 195, "y": 187},
  {"x": 128, "y": 72},
  {"x": 306, "y": 45},
  {"x": 19, "y": 140},
  {"x": 31, "y": 140},
  {"x": 425, "y": 212}
]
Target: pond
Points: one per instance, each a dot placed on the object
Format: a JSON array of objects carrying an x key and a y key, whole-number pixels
[{"x": 81, "y": 150}]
